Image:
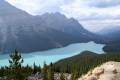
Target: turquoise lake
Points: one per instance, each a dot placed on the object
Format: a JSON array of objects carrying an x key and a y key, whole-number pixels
[{"x": 54, "y": 55}]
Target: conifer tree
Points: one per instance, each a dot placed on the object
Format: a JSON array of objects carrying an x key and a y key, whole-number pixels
[
  {"x": 44, "y": 72},
  {"x": 15, "y": 65},
  {"x": 2, "y": 70},
  {"x": 75, "y": 73},
  {"x": 62, "y": 76},
  {"x": 50, "y": 72},
  {"x": 34, "y": 68}
]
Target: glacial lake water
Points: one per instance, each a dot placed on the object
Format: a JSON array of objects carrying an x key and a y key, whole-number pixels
[{"x": 54, "y": 55}]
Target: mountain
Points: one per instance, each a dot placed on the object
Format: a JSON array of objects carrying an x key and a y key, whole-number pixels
[
  {"x": 84, "y": 62},
  {"x": 112, "y": 33},
  {"x": 26, "y": 33},
  {"x": 6, "y": 9},
  {"x": 112, "y": 39}
]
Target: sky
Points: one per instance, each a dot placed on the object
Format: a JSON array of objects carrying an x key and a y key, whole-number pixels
[{"x": 94, "y": 15}]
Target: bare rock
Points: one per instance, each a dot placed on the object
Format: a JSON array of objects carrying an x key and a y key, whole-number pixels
[{"x": 107, "y": 71}]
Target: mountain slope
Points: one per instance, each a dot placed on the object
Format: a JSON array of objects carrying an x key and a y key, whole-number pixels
[
  {"x": 85, "y": 61},
  {"x": 112, "y": 33},
  {"x": 6, "y": 9},
  {"x": 112, "y": 39},
  {"x": 26, "y": 33}
]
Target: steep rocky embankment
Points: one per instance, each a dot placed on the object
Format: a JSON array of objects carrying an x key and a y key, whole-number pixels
[{"x": 107, "y": 71}]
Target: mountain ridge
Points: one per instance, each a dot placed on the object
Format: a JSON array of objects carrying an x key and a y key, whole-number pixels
[
  {"x": 112, "y": 39},
  {"x": 26, "y": 33}
]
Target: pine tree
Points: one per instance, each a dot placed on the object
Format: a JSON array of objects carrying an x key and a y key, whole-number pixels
[
  {"x": 34, "y": 68},
  {"x": 75, "y": 73},
  {"x": 45, "y": 75},
  {"x": 15, "y": 65},
  {"x": 39, "y": 69},
  {"x": 2, "y": 70},
  {"x": 50, "y": 72},
  {"x": 28, "y": 69},
  {"x": 62, "y": 76},
  {"x": 74, "y": 76}
]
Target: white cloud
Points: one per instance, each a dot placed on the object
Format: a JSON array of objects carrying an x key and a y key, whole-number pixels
[
  {"x": 80, "y": 9},
  {"x": 103, "y": 3},
  {"x": 26, "y": 5},
  {"x": 37, "y": 7},
  {"x": 98, "y": 25}
]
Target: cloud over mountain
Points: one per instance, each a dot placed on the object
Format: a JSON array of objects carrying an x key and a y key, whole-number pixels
[
  {"x": 82, "y": 10},
  {"x": 79, "y": 9}
]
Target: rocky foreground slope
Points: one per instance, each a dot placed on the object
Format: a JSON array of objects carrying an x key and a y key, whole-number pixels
[{"x": 107, "y": 71}]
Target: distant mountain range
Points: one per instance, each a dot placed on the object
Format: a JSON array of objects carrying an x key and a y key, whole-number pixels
[
  {"x": 112, "y": 36},
  {"x": 112, "y": 32},
  {"x": 26, "y": 33}
]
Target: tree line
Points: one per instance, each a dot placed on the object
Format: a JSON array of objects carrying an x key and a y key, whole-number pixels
[
  {"x": 76, "y": 66},
  {"x": 15, "y": 70},
  {"x": 82, "y": 63}
]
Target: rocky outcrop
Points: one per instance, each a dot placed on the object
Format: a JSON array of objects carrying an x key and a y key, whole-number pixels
[
  {"x": 38, "y": 76},
  {"x": 107, "y": 71}
]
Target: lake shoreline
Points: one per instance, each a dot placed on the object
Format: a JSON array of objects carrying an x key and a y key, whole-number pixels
[{"x": 54, "y": 55}]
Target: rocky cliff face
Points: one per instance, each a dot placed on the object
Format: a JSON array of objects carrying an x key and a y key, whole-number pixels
[{"x": 107, "y": 71}]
